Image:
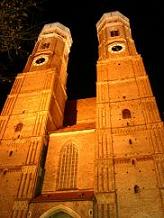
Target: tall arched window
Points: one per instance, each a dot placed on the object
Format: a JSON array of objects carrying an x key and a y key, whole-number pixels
[
  {"x": 67, "y": 168},
  {"x": 126, "y": 114}
]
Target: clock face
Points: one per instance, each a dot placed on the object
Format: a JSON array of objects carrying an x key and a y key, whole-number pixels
[
  {"x": 116, "y": 47},
  {"x": 40, "y": 60}
]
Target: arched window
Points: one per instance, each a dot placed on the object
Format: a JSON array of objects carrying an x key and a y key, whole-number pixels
[
  {"x": 126, "y": 114},
  {"x": 67, "y": 168},
  {"x": 136, "y": 189},
  {"x": 130, "y": 141}
]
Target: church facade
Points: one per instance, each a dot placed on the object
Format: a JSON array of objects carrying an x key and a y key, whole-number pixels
[{"x": 97, "y": 157}]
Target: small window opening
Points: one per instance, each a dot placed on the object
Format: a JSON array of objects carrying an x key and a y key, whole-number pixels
[
  {"x": 5, "y": 171},
  {"x": 114, "y": 33},
  {"x": 10, "y": 153},
  {"x": 133, "y": 162},
  {"x": 126, "y": 114},
  {"x": 90, "y": 212},
  {"x": 18, "y": 127},
  {"x": 45, "y": 45},
  {"x": 136, "y": 189},
  {"x": 130, "y": 141}
]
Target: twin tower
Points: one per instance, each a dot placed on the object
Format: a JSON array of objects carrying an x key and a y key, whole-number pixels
[{"x": 99, "y": 157}]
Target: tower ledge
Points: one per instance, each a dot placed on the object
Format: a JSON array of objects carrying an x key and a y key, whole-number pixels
[
  {"x": 109, "y": 17},
  {"x": 52, "y": 29}
]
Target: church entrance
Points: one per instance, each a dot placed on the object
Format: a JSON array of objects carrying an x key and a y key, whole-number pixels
[
  {"x": 60, "y": 215},
  {"x": 60, "y": 211}
]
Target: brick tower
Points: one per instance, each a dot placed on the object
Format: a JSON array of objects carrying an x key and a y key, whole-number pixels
[
  {"x": 28, "y": 115},
  {"x": 129, "y": 151},
  {"x": 89, "y": 158}
]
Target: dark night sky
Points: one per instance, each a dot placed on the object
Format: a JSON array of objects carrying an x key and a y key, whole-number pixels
[{"x": 81, "y": 17}]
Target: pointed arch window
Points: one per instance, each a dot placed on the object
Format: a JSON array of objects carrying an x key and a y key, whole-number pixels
[
  {"x": 126, "y": 114},
  {"x": 67, "y": 168}
]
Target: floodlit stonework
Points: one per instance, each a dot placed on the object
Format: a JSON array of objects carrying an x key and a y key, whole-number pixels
[{"x": 96, "y": 157}]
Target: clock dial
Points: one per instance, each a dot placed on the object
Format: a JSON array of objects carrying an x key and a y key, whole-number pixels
[
  {"x": 116, "y": 47},
  {"x": 40, "y": 60}
]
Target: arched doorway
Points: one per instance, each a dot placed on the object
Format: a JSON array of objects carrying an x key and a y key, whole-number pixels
[
  {"x": 60, "y": 215},
  {"x": 60, "y": 211}
]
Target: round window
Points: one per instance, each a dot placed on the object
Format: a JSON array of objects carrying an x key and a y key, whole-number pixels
[
  {"x": 116, "y": 47},
  {"x": 40, "y": 60}
]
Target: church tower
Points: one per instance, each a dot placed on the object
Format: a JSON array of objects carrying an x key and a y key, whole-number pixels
[
  {"x": 99, "y": 157},
  {"x": 34, "y": 107},
  {"x": 129, "y": 167}
]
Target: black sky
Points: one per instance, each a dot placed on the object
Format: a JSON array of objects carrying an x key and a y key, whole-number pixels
[{"x": 81, "y": 17}]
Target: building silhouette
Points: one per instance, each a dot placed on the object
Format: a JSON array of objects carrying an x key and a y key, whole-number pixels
[{"x": 97, "y": 157}]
